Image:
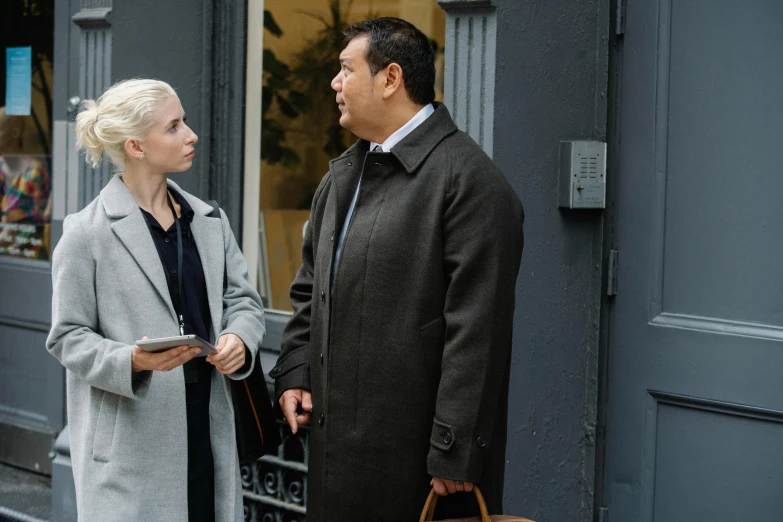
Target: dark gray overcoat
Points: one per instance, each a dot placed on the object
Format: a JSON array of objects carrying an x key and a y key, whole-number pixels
[{"x": 407, "y": 356}]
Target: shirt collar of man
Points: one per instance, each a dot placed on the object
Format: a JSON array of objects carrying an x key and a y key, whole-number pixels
[{"x": 406, "y": 129}]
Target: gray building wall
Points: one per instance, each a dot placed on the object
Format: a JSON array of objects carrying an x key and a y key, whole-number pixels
[
  {"x": 537, "y": 73},
  {"x": 551, "y": 81},
  {"x": 199, "y": 48}
]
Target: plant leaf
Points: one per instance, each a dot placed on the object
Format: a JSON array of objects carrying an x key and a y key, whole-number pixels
[
  {"x": 271, "y": 25},
  {"x": 286, "y": 108},
  {"x": 291, "y": 159}
]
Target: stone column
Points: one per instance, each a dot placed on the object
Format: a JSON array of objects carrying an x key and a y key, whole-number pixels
[
  {"x": 471, "y": 35},
  {"x": 94, "y": 74}
]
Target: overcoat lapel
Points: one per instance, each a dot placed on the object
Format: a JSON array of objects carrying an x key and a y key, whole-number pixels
[
  {"x": 131, "y": 229},
  {"x": 347, "y": 171},
  {"x": 134, "y": 234}
]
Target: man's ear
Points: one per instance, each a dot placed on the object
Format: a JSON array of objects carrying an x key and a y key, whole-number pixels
[{"x": 393, "y": 80}]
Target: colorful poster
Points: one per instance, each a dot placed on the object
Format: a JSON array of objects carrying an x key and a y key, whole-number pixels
[{"x": 19, "y": 80}]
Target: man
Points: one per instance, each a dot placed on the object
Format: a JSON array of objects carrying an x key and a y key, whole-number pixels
[{"x": 399, "y": 345}]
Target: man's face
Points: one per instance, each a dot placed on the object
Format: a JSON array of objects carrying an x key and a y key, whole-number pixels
[{"x": 358, "y": 98}]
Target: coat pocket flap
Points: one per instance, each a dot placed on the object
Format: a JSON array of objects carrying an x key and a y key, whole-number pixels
[
  {"x": 104, "y": 427},
  {"x": 433, "y": 329}
]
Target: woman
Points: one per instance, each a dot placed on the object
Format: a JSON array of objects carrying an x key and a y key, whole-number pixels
[{"x": 152, "y": 435}]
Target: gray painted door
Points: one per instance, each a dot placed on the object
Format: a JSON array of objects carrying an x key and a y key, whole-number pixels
[{"x": 696, "y": 359}]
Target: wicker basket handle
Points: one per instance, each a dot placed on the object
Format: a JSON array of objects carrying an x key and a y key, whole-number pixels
[{"x": 429, "y": 507}]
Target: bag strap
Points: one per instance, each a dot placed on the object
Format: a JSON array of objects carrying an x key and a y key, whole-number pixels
[
  {"x": 428, "y": 512},
  {"x": 216, "y": 214}
]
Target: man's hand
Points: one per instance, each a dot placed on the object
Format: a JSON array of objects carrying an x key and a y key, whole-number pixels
[
  {"x": 142, "y": 360},
  {"x": 296, "y": 405},
  {"x": 230, "y": 356},
  {"x": 443, "y": 486}
]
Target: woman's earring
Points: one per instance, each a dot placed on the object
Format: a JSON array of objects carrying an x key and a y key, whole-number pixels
[{"x": 141, "y": 156}]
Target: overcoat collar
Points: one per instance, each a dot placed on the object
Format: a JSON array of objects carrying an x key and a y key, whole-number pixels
[
  {"x": 119, "y": 202},
  {"x": 413, "y": 149},
  {"x": 131, "y": 228}
]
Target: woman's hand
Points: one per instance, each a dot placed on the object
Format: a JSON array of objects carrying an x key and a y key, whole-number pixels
[
  {"x": 162, "y": 361},
  {"x": 230, "y": 356}
]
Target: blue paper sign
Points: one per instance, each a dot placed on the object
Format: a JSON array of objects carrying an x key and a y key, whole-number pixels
[{"x": 19, "y": 80}]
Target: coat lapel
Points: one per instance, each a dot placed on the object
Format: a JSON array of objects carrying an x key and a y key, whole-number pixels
[
  {"x": 131, "y": 229},
  {"x": 417, "y": 146},
  {"x": 347, "y": 170}
]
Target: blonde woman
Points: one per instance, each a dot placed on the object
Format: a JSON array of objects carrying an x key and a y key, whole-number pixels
[{"x": 152, "y": 434}]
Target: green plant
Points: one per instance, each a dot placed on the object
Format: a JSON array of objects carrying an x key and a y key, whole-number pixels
[
  {"x": 316, "y": 65},
  {"x": 278, "y": 90},
  {"x": 305, "y": 87}
]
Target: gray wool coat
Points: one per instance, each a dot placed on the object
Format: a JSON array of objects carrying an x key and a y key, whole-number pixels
[
  {"x": 407, "y": 356},
  {"x": 128, "y": 431}
]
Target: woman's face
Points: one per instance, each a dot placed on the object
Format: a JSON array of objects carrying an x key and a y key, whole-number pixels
[{"x": 170, "y": 143}]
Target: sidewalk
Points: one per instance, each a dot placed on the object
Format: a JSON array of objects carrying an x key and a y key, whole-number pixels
[{"x": 24, "y": 496}]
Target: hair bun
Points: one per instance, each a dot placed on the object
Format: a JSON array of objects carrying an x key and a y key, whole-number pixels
[{"x": 87, "y": 133}]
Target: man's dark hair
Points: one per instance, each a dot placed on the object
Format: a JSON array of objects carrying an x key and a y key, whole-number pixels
[{"x": 393, "y": 40}]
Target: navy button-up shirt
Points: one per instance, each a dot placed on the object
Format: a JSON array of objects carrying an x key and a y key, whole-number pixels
[{"x": 194, "y": 284}]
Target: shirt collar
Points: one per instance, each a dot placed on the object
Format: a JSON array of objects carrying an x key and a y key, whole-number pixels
[
  {"x": 185, "y": 210},
  {"x": 406, "y": 129}
]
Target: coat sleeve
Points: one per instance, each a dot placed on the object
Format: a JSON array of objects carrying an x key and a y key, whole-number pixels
[
  {"x": 482, "y": 249},
  {"x": 243, "y": 312},
  {"x": 292, "y": 370},
  {"x": 73, "y": 339}
]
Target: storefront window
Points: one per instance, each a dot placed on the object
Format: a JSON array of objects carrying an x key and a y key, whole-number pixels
[
  {"x": 26, "y": 33},
  {"x": 300, "y": 132}
]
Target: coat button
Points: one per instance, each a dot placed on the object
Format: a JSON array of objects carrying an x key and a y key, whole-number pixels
[
  {"x": 481, "y": 442},
  {"x": 321, "y": 420},
  {"x": 322, "y": 358},
  {"x": 332, "y": 238},
  {"x": 447, "y": 438},
  {"x": 323, "y": 297}
]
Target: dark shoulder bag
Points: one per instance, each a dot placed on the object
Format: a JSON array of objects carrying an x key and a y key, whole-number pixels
[{"x": 254, "y": 416}]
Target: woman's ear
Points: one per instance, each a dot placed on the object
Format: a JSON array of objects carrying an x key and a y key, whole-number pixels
[{"x": 133, "y": 149}]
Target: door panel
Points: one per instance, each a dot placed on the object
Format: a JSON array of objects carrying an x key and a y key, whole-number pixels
[
  {"x": 723, "y": 130},
  {"x": 695, "y": 405},
  {"x": 729, "y": 454}
]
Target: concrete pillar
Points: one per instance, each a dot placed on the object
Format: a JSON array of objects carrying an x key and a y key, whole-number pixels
[
  {"x": 471, "y": 36},
  {"x": 94, "y": 74}
]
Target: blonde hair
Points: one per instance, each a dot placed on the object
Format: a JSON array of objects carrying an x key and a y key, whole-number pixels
[{"x": 125, "y": 111}]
